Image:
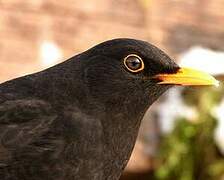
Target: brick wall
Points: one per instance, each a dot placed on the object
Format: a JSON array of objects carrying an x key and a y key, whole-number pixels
[
  {"x": 72, "y": 25},
  {"x": 178, "y": 25}
]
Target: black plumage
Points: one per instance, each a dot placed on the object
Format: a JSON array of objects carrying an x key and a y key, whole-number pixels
[{"x": 79, "y": 119}]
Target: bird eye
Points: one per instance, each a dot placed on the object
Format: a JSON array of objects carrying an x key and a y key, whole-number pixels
[{"x": 133, "y": 63}]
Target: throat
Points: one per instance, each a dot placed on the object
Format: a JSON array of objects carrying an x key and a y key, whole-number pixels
[{"x": 120, "y": 127}]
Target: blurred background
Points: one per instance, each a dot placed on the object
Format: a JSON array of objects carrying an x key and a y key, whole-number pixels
[{"x": 182, "y": 135}]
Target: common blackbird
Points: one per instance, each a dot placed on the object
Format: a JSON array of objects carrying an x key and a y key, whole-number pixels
[{"x": 79, "y": 119}]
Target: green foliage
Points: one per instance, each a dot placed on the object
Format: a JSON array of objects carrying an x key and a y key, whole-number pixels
[{"x": 189, "y": 152}]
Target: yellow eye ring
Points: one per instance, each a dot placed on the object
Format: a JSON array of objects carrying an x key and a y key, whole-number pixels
[{"x": 134, "y": 63}]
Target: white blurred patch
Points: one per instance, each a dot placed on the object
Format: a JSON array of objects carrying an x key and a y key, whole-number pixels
[
  {"x": 50, "y": 54},
  {"x": 173, "y": 108},
  {"x": 219, "y": 133},
  {"x": 203, "y": 59}
]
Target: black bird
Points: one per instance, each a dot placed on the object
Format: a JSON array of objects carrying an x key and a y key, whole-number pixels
[{"x": 79, "y": 119}]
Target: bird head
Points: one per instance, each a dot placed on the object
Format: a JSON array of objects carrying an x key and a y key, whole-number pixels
[{"x": 124, "y": 72}]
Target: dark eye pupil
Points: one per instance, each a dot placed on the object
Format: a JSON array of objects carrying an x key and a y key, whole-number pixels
[{"x": 133, "y": 63}]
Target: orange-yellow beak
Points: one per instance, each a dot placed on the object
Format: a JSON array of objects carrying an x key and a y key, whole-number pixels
[{"x": 187, "y": 77}]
